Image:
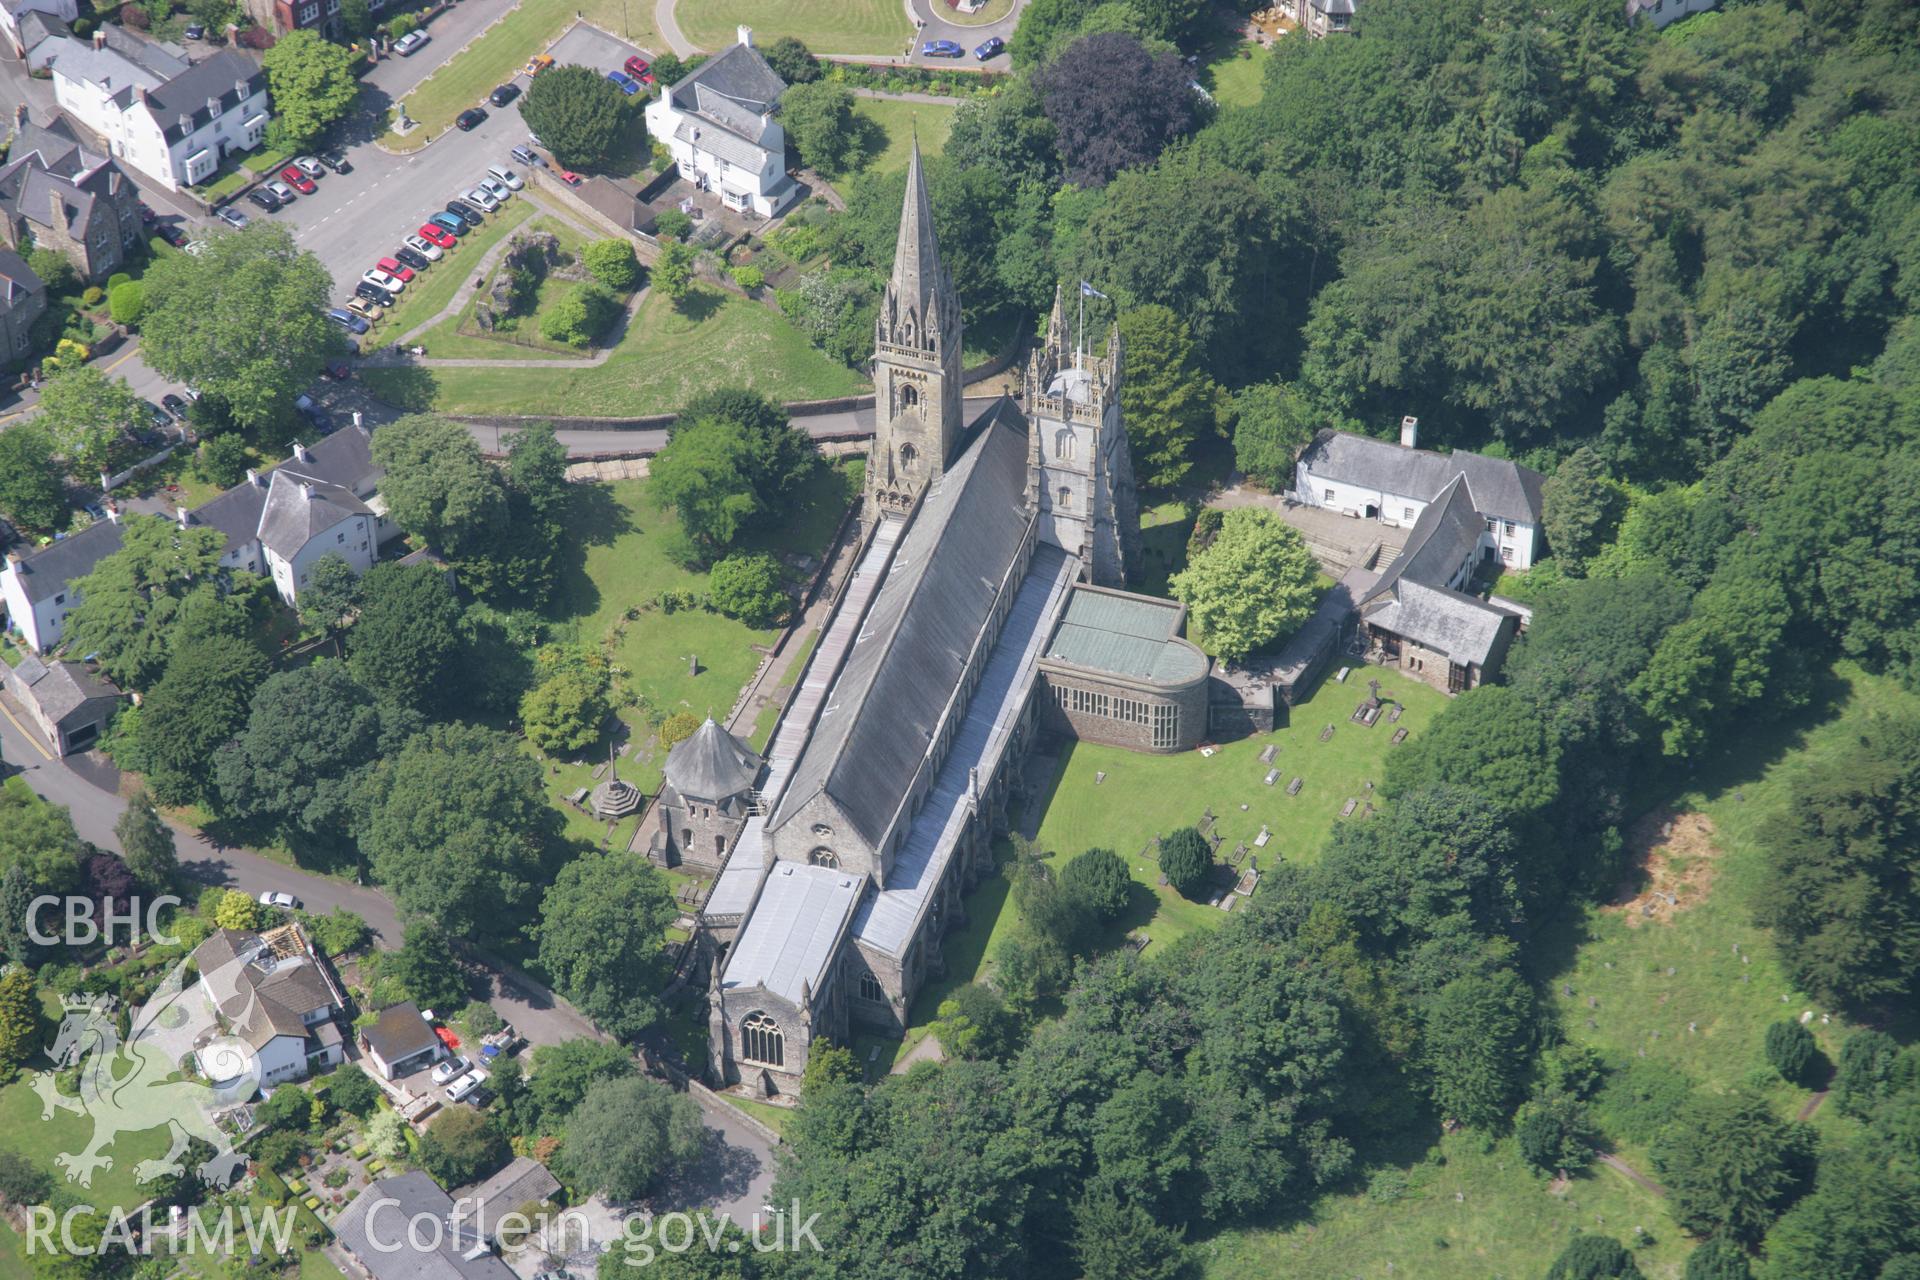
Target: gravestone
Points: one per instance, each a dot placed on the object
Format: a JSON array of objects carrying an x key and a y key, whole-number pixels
[
  {"x": 1326, "y": 734},
  {"x": 1399, "y": 736},
  {"x": 1260, "y": 841},
  {"x": 1099, "y": 776},
  {"x": 1271, "y": 775},
  {"x": 1293, "y": 788},
  {"x": 1346, "y": 810},
  {"x": 1267, "y": 752},
  {"x": 1394, "y": 715}
]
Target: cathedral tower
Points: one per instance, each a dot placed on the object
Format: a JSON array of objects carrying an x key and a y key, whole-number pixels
[
  {"x": 916, "y": 362},
  {"x": 1079, "y": 470}
]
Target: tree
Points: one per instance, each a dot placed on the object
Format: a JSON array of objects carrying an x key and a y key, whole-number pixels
[
  {"x": 1114, "y": 105},
  {"x": 581, "y": 116},
  {"x": 132, "y": 598},
  {"x": 1581, "y": 507},
  {"x": 564, "y": 1072},
  {"x": 1868, "y": 1063},
  {"x": 678, "y": 727},
  {"x": 310, "y": 736},
  {"x": 792, "y": 61},
  {"x": 1115, "y": 1240},
  {"x": 21, "y": 1030},
  {"x": 673, "y": 271},
  {"x": 22, "y": 1181},
  {"x": 461, "y": 1145},
  {"x": 579, "y": 317},
  {"x": 748, "y": 587},
  {"x": 407, "y": 641},
  {"x": 354, "y": 1092},
  {"x": 1252, "y": 587},
  {"x": 1169, "y": 402},
  {"x": 244, "y": 320},
  {"x": 1555, "y": 1133},
  {"x": 822, "y": 126},
  {"x": 1272, "y": 422},
  {"x": 782, "y": 458},
  {"x": 1187, "y": 862},
  {"x": 1792, "y": 1051},
  {"x": 702, "y": 475},
  {"x": 331, "y": 595},
  {"x": 1594, "y": 1258},
  {"x": 436, "y": 485},
  {"x": 222, "y": 460},
  {"x": 146, "y": 842},
  {"x": 339, "y": 931},
  {"x": 1099, "y": 879},
  {"x": 31, "y": 488},
  {"x": 612, "y": 263},
  {"x": 563, "y": 714},
  {"x": 89, "y": 415},
  {"x": 17, "y": 892},
  {"x": 1717, "y": 1260},
  {"x": 236, "y": 910},
  {"x": 1730, "y": 1165},
  {"x": 974, "y": 1022},
  {"x": 312, "y": 83},
  {"x": 458, "y": 827},
  {"x": 193, "y": 710},
  {"x": 626, "y": 1134},
  {"x": 425, "y": 967},
  {"x": 1477, "y": 1031},
  {"x": 599, "y": 935}
]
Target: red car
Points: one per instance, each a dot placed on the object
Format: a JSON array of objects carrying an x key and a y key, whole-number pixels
[
  {"x": 299, "y": 181},
  {"x": 396, "y": 269},
  {"x": 433, "y": 233},
  {"x": 571, "y": 178},
  {"x": 639, "y": 70}
]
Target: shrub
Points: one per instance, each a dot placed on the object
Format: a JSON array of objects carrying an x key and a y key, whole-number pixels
[
  {"x": 748, "y": 587},
  {"x": 1791, "y": 1050},
  {"x": 353, "y": 1091},
  {"x": 222, "y": 460},
  {"x": 678, "y": 727},
  {"x": 21, "y": 1182},
  {"x": 401, "y": 25},
  {"x": 1554, "y": 1133},
  {"x": 612, "y": 263},
  {"x": 126, "y": 301},
  {"x": 481, "y": 1018},
  {"x": 671, "y": 224},
  {"x": 1187, "y": 861},
  {"x": 579, "y": 317},
  {"x": 339, "y": 931},
  {"x": 749, "y": 277},
  {"x": 91, "y": 296},
  {"x": 117, "y": 279},
  {"x": 1098, "y": 879}
]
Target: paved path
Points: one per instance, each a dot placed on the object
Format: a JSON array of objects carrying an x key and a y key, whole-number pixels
[
  {"x": 924, "y": 99},
  {"x": 669, "y": 30},
  {"x": 1630, "y": 1173},
  {"x": 925, "y": 15},
  {"x": 1813, "y": 1105}
]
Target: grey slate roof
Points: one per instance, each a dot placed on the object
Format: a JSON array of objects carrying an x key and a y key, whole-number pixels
[
  {"x": 794, "y": 930},
  {"x": 46, "y": 573},
  {"x": 1500, "y": 487},
  {"x": 737, "y": 74},
  {"x": 299, "y": 509},
  {"x": 711, "y": 765},
  {"x": 389, "y": 1253},
  {"x": 1449, "y": 622},
  {"x": 524, "y": 1182},
  {"x": 222, "y": 81},
  {"x": 122, "y": 66},
  {"x": 235, "y": 513},
  {"x": 884, "y": 709},
  {"x": 59, "y": 688},
  {"x": 729, "y": 147},
  {"x": 343, "y": 461},
  {"x": 261, "y": 995},
  {"x": 1444, "y": 537},
  {"x": 36, "y": 26},
  {"x": 17, "y": 280},
  {"x": 1128, "y": 635},
  {"x": 400, "y": 1032}
]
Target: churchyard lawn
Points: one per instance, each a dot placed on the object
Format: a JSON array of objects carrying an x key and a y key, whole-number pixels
[
  {"x": 897, "y": 121},
  {"x": 827, "y": 26}
]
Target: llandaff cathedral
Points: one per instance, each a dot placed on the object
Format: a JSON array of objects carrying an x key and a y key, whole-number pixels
[{"x": 987, "y": 605}]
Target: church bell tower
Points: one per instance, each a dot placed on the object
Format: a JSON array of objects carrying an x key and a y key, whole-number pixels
[{"x": 916, "y": 363}]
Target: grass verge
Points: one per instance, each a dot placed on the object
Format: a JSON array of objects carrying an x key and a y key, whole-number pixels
[{"x": 827, "y": 26}]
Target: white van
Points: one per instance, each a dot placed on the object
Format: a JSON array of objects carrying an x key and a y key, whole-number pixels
[
  {"x": 506, "y": 175},
  {"x": 468, "y": 1085}
]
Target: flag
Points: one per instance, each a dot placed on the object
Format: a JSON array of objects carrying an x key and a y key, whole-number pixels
[{"x": 1088, "y": 291}]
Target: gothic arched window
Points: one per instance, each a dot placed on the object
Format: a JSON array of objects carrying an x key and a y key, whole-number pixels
[
  {"x": 906, "y": 330},
  {"x": 908, "y": 457},
  {"x": 824, "y": 858},
  {"x": 1063, "y": 444},
  {"x": 909, "y": 396},
  {"x": 762, "y": 1041},
  {"x": 1065, "y": 500}
]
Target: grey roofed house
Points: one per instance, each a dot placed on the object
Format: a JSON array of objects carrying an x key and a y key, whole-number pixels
[
  {"x": 342, "y": 461},
  {"x": 794, "y": 931},
  {"x": 733, "y": 89},
  {"x": 918, "y": 634},
  {"x": 20, "y": 285},
  {"x": 523, "y": 1184},
  {"x": 711, "y": 765},
  {"x": 374, "y": 1231},
  {"x": 1446, "y": 536},
  {"x": 205, "y": 91},
  {"x": 46, "y": 572},
  {"x": 1499, "y": 486},
  {"x": 1466, "y": 630},
  {"x": 262, "y": 993},
  {"x": 399, "y": 1033},
  {"x": 36, "y": 27},
  {"x": 70, "y": 703},
  {"x": 299, "y": 509},
  {"x": 120, "y": 63}
]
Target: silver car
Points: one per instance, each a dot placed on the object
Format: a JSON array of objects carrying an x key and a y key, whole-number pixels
[
  {"x": 497, "y": 189},
  {"x": 280, "y": 189},
  {"x": 486, "y": 202}
]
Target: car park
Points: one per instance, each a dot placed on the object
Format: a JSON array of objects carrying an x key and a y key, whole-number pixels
[
  {"x": 347, "y": 320},
  {"x": 231, "y": 216},
  {"x": 466, "y": 211},
  {"x": 299, "y": 179},
  {"x": 422, "y": 246},
  {"x": 173, "y": 235},
  {"x": 393, "y": 267},
  {"x": 336, "y": 161},
  {"x": 285, "y": 901},
  {"x": 469, "y": 119},
  {"x": 413, "y": 258},
  {"x": 409, "y": 44},
  {"x": 448, "y": 225},
  {"x": 264, "y": 198},
  {"x": 382, "y": 280},
  {"x": 991, "y": 47},
  {"x": 500, "y": 173},
  {"x": 536, "y": 64},
  {"x": 452, "y": 1069},
  {"x": 499, "y": 190},
  {"x": 638, "y": 68},
  {"x": 281, "y": 190},
  {"x": 942, "y": 49},
  {"x": 373, "y": 293},
  {"x": 438, "y": 235},
  {"x": 624, "y": 82},
  {"x": 309, "y": 166},
  {"x": 506, "y": 93},
  {"x": 479, "y": 195},
  {"x": 364, "y": 309}
]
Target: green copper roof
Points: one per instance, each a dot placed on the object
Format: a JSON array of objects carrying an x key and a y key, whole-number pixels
[{"x": 1129, "y": 635}]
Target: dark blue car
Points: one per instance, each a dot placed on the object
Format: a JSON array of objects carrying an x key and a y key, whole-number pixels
[
  {"x": 627, "y": 84},
  {"x": 942, "y": 49},
  {"x": 992, "y": 47}
]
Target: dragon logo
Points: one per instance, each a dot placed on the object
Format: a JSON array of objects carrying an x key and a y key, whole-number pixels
[{"x": 139, "y": 1086}]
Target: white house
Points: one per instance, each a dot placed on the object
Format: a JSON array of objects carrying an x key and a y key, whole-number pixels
[
  {"x": 37, "y": 587},
  {"x": 1663, "y": 13},
  {"x": 719, "y": 125},
  {"x": 401, "y": 1041},
  {"x": 172, "y": 119},
  {"x": 1393, "y": 483},
  {"x": 273, "y": 991},
  {"x": 14, "y": 12}
]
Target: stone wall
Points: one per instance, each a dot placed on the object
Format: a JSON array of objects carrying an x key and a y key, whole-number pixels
[{"x": 1063, "y": 714}]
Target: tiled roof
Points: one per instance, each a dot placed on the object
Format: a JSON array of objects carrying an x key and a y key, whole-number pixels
[
  {"x": 1126, "y": 634},
  {"x": 59, "y": 688},
  {"x": 46, "y": 573},
  {"x": 414, "y": 1213},
  {"x": 299, "y": 509},
  {"x": 711, "y": 765},
  {"x": 1500, "y": 487},
  {"x": 400, "y": 1032},
  {"x": 794, "y": 930}
]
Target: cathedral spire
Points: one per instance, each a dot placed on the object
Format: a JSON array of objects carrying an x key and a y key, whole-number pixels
[
  {"x": 919, "y": 288},
  {"x": 1057, "y": 325}
]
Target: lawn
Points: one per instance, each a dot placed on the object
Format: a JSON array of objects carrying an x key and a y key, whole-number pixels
[
  {"x": 434, "y": 288},
  {"x": 827, "y": 26},
  {"x": 669, "y": 355},
  {"x": 775, "y": 1118},
  {"x": 459, "y": 337},
  {"x": 497, "y": 57},
  {"x": 898, "y": 121},
  {"x": 1238, "y": 77},
  {"x": 23, "y": 1131}
]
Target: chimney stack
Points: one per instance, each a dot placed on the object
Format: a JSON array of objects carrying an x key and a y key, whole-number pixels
[
  {"x": 300, "y": 453},
  {"x": 100, "y": 38},
  {"x": 744, "y": 34},
  {"x": 180, "y": 514},
  {"x": 306, "y": 491},
  {"x": 59, "y": 207},
  {"x": 253, "y": 477},
  {"x": 1409, "y": 433},
  {"x": 20, "y": 116}
]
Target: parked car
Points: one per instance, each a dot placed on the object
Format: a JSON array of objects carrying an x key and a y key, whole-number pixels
[
  {"x": 395, "y": 268},
  {"x": 282, "y": 190},
  {"x": 347, "y": 320},
  {"x": 147, "y": 215},
  {"x": 438, "y": 235},
  {"x": 638, "y": 68},
  {"x": 264, "y": 198},
  {"x": 991, "y": 47},
  {"x": 285, "y": 901},
  {"x": 499, "y": 190},
  {"x": 160, "y": 417},
  {"x": 469, "y": 119},
  {"x": 409, "y": 44},
  {"x": 301, "y": 180},
  {"x": 373, "y": 293},
  {"x": 571, "y": 178},
  {"x": 412, "y": 258},
  {"x": 336, "y": 161},
  {"x": 942, "y": 49},
  {"x": 466, "y": 1086},
  {"x": 193, "y": 392},
  {"x": 424, "y": 247},
  {"x": 451, "y": 1069},
  {"x": 506, "y": 93},
  {"x": 309, "y": 166},
  {"x": 449, "y": 225},
  {"x": 466, "y": 211},
  {"x": 173, "y": 235},
  {"x": 194, "y": 31},
  {"x": 364, "y": 309},
  {"x": 231, "y": 216},
  {"x": 382, "y": 280},
  {"x": 536, "y": 64},
  {"x": 481, "y": 197},
  {"x": 500, "y": 173},
  {"x": 624, "y": 82},
  {"x": 524, "y": 155},
  {"x": 338, "y": 370}
]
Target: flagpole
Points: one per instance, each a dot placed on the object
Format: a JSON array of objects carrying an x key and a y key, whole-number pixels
[{"x": 1080, "y": 333}]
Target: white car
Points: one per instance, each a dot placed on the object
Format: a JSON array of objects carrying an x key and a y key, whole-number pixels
[
  {"x": 450, "y": 1068},
  {"x": 425, "y": 248},
  {"x": 500, "y": 173},
  {"x": 381, "y": 280},
  {"x": 309, "y": 166},
  {"x": 280, "y": 189},
  {"x": 497, "y": 189},
  {"x": 284, "y": 901},
  {"x": 407, "y": 45},
  {"x": 485, "y": 200},
  {"x": 466, "y": 1086}
]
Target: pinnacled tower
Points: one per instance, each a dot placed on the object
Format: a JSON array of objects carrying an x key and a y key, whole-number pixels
[
  {"x": 1079, "y": 470},
  {"x": 916, "y": 362}
]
